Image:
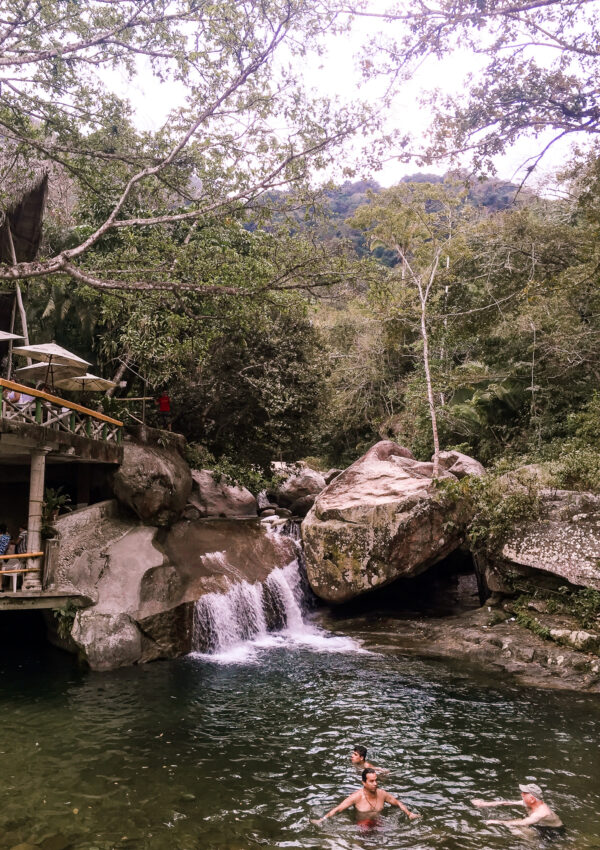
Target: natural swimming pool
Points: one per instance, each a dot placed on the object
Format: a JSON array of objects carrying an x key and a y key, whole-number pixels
[{"x": 240, "y": 752}]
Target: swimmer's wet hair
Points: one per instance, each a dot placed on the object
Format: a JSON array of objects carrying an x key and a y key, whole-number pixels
[
  {"x": 362, "y": 751},
  {"x": 366, "y": 772}
]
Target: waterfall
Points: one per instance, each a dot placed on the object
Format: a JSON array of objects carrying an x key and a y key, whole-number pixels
[
  {"x": 249, "y": 611},
  {"x": 229, "y": 627}
]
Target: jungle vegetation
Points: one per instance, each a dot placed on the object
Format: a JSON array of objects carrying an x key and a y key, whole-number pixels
[{"x": 291, "y": 307}]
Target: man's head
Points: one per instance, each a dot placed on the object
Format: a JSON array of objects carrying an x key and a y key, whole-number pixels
[
  {"x": 2, "y": 528},
  {"x": 369, "y": 779},
  {"x": 531, "y": 793},
  {"x": 359, "y": 754}
]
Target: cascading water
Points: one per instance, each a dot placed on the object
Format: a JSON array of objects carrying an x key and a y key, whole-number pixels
[{"x": 228, "y": 625}]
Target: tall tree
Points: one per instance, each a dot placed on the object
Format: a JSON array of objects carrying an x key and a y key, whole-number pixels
[
  {"x": 245, "y": 126},
  {"x": 416, "y": 222},
  {"x": 541, "y": 69}
]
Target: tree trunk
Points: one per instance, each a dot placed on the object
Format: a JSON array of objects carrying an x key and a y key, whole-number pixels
[
  {"x": 430, "y": 399},
  {"x": 22, "y": 312},
  {"x": 10, "y": 344},
  {"x": 117, "y": 377}
]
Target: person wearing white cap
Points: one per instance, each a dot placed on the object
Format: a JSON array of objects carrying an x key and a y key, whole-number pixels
[{"x": 539, "y": 815}]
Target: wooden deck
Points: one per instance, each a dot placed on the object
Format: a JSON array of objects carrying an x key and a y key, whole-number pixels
[{"x": 25, "y": 601}]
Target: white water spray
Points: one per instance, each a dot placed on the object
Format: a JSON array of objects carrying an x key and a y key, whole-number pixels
[{"x": 230, "y": 627}]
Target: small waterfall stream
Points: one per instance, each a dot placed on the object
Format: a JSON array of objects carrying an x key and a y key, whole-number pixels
[
  {"x": 250, "y": 611},
  {"x": 228, "y": 626}
]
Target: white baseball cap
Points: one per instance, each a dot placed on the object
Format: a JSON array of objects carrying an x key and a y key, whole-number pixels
[{"x": 532, "y": 788}]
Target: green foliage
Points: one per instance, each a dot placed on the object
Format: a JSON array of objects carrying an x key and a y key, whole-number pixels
[
  {"x": 55, "y": 499},
  {"x": 498, "y": 503},
  {"x": 583, "y": 604},
  {"x": 585, "y": 423},
  {"x": 65, "y": 618},
  {"x": 533, "y": 624},
  {"x": 517, "y": 90},
  {"x": 257, "y": 393},
  {"x": 578, "y": 468},
  {"x": 231, "y": 470},
  {"x": 500, "y": 506}
]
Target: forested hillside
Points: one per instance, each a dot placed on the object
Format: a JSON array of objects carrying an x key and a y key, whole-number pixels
[
  {"x": 335, "y": 362},
  {"x": 289, "y": 310}
]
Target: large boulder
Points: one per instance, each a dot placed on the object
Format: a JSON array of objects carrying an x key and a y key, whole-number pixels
[
  {"x": 143, "y": 582},
  {"x": 377, "y": 521},
  {"x": 460, "y": 465},
  {"x": 305, "y": 482},
  {"x": 563, "y": 542},
  {"x": 154, "y": 482},
  {"x": 216, "y": 498}
]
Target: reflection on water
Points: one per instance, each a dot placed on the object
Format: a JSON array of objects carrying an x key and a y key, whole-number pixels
[{"x": 196, "y": 754}]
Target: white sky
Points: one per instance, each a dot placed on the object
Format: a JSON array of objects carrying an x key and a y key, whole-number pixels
[{"x": 336, "y": 73}]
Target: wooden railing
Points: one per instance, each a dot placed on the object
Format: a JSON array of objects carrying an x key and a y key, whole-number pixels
[
  {"x": 40, "y": 408},
  {"x": 13, "y": 572}
]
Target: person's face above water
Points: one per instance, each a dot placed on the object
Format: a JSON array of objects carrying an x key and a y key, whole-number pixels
[
  {"x": 528, "y": 799},
  {"x": 356, "y": 758},
  {"x": 370, "y": 782}
]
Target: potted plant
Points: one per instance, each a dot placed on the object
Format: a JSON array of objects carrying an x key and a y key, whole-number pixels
[{"x": 54, "y": 501}]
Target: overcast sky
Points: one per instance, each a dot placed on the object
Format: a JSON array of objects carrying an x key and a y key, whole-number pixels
[{"x": 336, "y": 73}]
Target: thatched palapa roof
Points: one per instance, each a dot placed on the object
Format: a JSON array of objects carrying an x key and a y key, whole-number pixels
[{"x": 22, "y": 203}]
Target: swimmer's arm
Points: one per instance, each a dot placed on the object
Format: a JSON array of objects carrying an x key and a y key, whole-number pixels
[
  {"x": 389, "y": 798},
  {"x": 345, "y": 804},
  {"x": 528, "y": 821},
  {"x": 484, "y": 804}
]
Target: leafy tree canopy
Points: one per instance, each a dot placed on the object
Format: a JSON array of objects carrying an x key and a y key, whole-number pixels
[
  {"x": 245, "y": 126},
  {"x": 541, "y": 69}
]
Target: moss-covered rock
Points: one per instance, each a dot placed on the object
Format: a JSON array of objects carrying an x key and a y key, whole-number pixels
[{"x": 377, "y": 521}]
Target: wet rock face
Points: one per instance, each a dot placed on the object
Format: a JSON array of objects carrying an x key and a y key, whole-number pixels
[
  {"x": 377, "y": 521},
  {"x": 563, "y": 541},
  {"x": 144, "y": 581},
  {"x": 213, "y": 498},
  {"x": 154, "y": 482},
  {"x": 481, "y": 639}
]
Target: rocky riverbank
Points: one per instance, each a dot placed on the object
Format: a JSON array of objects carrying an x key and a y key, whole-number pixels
[
  {"x": 171, "y": 535},
  {"x": 480, "y": 640}
]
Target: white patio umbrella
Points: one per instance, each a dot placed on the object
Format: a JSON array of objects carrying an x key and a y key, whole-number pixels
[
  {"x": 53, "y": 355},
  {"x": 49, "y": 373},
  {"x": 50, "y": 352},
  {"x": 88, "y": 383},
  {"x": 5, "y": 336}
]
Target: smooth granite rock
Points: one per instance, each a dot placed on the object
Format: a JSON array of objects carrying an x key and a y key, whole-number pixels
[
  {"x": 214, "y": 498},
  {"x": 379, "y": 520},
  {"x": 144, "y": 581},
  {"x": 563, "y": 541},
  {"x": 154, "y": 482}
]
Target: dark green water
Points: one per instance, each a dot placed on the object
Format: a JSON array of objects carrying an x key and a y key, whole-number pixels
[{"x": 197, "y": 754}]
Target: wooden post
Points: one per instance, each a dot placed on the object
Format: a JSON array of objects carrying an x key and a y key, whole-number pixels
[
  {"x": 10, "y": 344},
  {"x": 33, "y": 581}
]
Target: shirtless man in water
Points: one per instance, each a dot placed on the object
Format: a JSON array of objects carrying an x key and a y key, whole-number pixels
[
  {"x": 359, "y": 760},
  {"x": 369, "y": 799},
  {"x": 539, "y": 814}
]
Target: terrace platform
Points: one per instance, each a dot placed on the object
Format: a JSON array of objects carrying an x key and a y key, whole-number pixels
[{"x": 40, "y": 429}]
